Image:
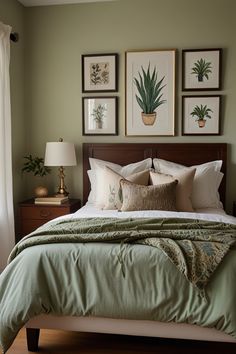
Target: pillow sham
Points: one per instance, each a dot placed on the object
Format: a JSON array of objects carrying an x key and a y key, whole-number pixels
[
  {"x": 124, "y": 171},
  {"x": 109, "y": 196},
  {"x": 205, "y": 184},
  {"x": 183, "y": 189},
  {"x": 159, "y": 197}
]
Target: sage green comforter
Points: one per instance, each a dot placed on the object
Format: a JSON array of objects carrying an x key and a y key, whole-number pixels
[{"x": 148, "y": 269}]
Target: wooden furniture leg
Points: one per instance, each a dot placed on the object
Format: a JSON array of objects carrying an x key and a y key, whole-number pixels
[{"x": 32, "y": 335}]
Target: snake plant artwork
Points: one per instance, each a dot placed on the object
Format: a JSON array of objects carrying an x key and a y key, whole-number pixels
[
  {"x": 202, "y": 69},
  {"x": 201, "y": 112},
  {"x": 150, "y": 94}
]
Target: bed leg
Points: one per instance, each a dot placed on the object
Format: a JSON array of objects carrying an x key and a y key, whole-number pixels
[{"x": 32, "y": 335}]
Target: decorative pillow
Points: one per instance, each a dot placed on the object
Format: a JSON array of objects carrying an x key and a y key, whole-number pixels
[
  {"x": 205, "y": 184},
  {"x": 124, "y": 171},
  {"x": 160, "y": 197},
  {"x": 183, "y": 189},
  {"x": 111, "y": 195}
]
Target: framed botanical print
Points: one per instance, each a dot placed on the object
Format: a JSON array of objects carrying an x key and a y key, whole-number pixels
[
  {"x": 150, "y": 92},
  {"x": 201, "y": 69},
  {"x": 99, "y": 115},
  {"x": 201, "y": 115},
  {"x": 99, "y": 73}
]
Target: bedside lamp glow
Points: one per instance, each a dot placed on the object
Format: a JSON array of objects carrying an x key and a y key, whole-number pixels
[{"x": 60, "y": 154}]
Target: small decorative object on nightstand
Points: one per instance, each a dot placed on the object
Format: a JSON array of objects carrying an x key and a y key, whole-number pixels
[
  {"x": 32, "y": 215},
  {"x": 234, "y": 208}
]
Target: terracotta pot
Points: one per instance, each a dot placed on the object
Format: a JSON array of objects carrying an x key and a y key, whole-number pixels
[
  {"x": 40, "y": 191},
  {"x": 149, "y": 119},
  {"x": 201, "y": 123}
]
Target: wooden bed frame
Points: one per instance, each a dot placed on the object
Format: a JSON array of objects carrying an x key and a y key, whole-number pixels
[{"x": 185, "y": 153}]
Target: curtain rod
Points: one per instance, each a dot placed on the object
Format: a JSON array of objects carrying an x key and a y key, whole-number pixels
[{"x": 14, "y": 37}]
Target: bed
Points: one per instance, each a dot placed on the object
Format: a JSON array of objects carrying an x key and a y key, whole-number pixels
[{"x": 187, "y": 154}]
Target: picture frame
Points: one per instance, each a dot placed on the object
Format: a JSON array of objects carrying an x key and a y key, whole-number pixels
[
  {"x": 201, "y": 115},
  {"x": 100, "y": 72},
  {"x": 150, "y": 70},
  {"x": 201, "y": 69},
  {"x": 100, "y": 115}
]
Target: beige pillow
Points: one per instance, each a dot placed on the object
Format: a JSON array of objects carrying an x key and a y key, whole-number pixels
[
  {"x": 112, "y": 196},
  {"x": 160, "y": 197},
  {"x": 183, "y": 189}
]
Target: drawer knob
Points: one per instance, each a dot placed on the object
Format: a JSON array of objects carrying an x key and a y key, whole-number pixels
[{"x": 45, "y": 213}]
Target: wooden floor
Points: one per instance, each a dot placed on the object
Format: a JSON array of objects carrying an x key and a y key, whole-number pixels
[{"x": 60, "y": 342}]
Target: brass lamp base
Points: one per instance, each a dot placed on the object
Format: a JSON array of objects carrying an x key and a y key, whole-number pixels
[{"x": 62, "y": 192}]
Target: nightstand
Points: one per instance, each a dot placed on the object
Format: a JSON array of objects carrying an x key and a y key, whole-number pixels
[
  {"x": 32, "y": 215},
  {"x": 234, "y": 208}
]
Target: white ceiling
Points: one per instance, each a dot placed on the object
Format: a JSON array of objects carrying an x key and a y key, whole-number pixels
[{"x": 56, "y": 2}]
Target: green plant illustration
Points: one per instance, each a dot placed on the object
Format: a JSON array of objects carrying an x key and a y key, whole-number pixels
[
  {"x": 202, "y": 69},
  {"x": 201, "y": 113},
  {"x": 149, "y": 89},
  {"x": 35, "y": 165},
  {"x": 99, "y": 113}
]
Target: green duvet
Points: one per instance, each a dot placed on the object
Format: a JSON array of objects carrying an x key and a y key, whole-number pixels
[{"x": 149, "y": 269}]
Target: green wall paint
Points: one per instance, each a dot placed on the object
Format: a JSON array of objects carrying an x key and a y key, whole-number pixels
[{"x": 57, "y": 36}]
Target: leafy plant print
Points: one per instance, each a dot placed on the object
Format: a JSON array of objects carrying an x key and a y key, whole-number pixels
[
  {"x": 201, "y": 112},
  {"x": 99, "y": 73},
  {"x": 201, "y": 69}
]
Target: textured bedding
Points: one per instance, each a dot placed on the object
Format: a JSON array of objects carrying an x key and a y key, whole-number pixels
[{"x": 106, "y": 279}]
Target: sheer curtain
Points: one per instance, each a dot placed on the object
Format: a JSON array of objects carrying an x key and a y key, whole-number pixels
[{"x": 6, "y": 195}]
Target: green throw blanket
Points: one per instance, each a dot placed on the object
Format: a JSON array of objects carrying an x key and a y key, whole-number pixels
[{"x": 195, "y": 247}]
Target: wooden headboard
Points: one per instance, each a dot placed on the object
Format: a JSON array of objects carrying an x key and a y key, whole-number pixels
[{"x": 125, "y": 153}]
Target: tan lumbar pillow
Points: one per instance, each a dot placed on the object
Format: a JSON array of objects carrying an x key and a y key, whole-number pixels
[
  {"x": 112, "y": 195},
  {"x": 159, "y": 197},
  {"x": 183, "y": 189}
]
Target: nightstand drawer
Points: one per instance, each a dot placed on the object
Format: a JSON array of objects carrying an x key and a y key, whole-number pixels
[
  {"x": 31, "y": 215},
  {"x": 43, "y": 212}
]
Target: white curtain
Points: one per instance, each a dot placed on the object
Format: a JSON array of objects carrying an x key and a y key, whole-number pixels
[{"x": 6, "y": 195}]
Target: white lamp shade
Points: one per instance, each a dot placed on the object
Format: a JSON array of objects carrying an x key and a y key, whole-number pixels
[{"x": 60, "y": 154}]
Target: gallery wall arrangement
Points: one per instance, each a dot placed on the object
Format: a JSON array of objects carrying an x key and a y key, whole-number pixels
[{"x": 150, "y": 92}]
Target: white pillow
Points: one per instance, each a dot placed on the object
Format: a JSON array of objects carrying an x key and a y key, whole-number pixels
[
  {"x": 124, "y": 171},
  {"x": 206, "y": 181}
]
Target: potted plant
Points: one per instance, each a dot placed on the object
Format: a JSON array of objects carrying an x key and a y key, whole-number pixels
[
  {"x": 149, "y": 89},
  {"x": 99, "y": 114},
  {"x": 201, "y": 113},
  {"x": 36, "y": 166},
  {"x": 201, "y": 69}
]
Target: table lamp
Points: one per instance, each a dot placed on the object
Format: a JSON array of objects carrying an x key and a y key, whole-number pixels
[{"x": 60, "y": 154}]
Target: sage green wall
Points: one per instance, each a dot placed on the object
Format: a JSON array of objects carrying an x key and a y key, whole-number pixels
[
  {"x": 58, "y": 35},
  {"x": 12, "y": 13}
]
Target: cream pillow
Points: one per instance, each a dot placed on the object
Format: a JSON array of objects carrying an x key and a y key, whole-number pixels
[
  {"x": 183, "y": 189},
  {"x": 160, "y": 197},
  {"x": 97, "y": 164},
  {"x": 205, "y": 184},
  {"x": 111, "y": 195}
]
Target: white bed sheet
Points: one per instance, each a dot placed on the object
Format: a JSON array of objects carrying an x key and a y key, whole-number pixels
[{"x": 89, "y": 210}]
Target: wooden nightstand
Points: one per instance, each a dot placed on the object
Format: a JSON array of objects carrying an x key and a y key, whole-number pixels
[
  {"x": 32, "y": 215},
  {"x": 234, "y": 208}
]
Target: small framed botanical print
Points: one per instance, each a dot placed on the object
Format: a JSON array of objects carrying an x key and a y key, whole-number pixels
[
  {"x": 201, "y": 69},
  {"x": 201, "y": 115},
  {"x": 99, "y": 73},
  {"x": 100, "y": 115}
]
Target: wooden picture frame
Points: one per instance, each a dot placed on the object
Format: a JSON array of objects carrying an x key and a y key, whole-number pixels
[
  {"x": 100, "y": 72},
  {"x": 201, "y": 69},
  {"x": 100, "y": 115},
  {"x": 150, "y": 70},
  {"x": 201, "y": 115}
]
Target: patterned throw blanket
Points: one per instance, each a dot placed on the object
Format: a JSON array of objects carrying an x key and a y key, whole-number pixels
[{"x": 195, "y": 247}]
